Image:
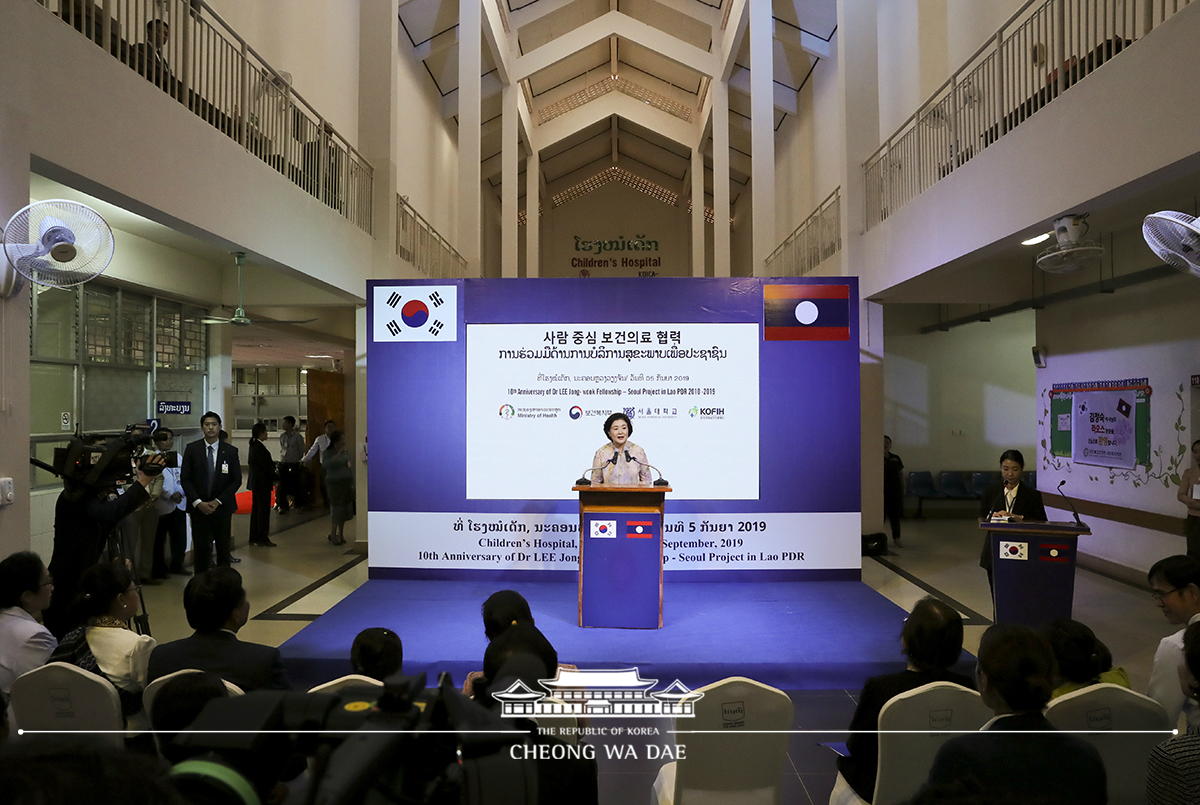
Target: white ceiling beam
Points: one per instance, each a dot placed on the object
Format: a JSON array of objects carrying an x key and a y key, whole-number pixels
[
  {"x": 443, "y": 41},
  {"x": 785, "y": 99},
  {"x": 496, "y": 40},
  {"x": 614, "y": 134},
  {"x": 739, "y": 21},
  {"x": 800, "y": 39},
  {"x": 535, "y": 11},
  {"x": 491, "y": 85},
  {"x": 615, "y": 103},
  {"x": 614, "y": 23}
]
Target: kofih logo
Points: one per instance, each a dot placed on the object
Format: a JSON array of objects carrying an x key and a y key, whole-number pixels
[
  {"x": 599, "y": 693},
  {"x": 576, "y": 412},
  {"x": 710, "y": 413},
  {"x": 693, "y": 411},
  {"x": 507, "y": 411}
]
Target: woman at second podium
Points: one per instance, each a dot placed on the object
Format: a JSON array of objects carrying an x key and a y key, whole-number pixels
[
  {"x": 1009, "y": 498},
  {"x": 620, "y": 462}
]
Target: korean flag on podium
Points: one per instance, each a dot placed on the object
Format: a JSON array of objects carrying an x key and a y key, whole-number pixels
[{"x": 415, "y": 313}]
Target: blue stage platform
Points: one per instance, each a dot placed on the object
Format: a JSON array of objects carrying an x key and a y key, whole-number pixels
[{"x": 812, "y": 635}]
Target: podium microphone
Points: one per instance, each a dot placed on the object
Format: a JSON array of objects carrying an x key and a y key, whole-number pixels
[
  {"x": 1074, "y": 511},
  {"x": 585, "y": 479},
  {"x": 661, "y": 480}
]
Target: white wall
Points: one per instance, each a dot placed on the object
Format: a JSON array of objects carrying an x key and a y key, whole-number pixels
[
  {"x": 804, "y": 172},
  {"x": 956, "y": 400},
  {"x": 314, "y": 40},
  {"x": 1137, "y": 332}
]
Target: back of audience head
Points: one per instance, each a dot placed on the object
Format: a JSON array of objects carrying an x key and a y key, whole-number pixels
[
  {"x": 502, "y": 610},
  {"x": 1016, "y": 664},
  {"x": 99, "y": 587},
  {"x": 216, "y": 600},
  {"x": 524, "y": 638},
  {"x": 22, "y": 580},
  {"x": 1080, "y": 655},
  {"x": 177, "y": 705},
  {"x": 932, "y": 635},
  {"x": 70, "y": 769},
  {"x": 377, "y": 653}
]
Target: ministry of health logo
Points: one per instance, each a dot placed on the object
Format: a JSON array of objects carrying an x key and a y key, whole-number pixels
[
  {"x": 507, "y": 411},
  {"x": 599, "y": 693},
  {"x": 576, "y": 412}
]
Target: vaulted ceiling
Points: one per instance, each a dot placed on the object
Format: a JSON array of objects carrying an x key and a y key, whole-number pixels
[{"x": 630, "y": 92}]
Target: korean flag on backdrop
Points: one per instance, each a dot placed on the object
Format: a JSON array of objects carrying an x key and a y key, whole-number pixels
[{"x": 415, "y": 313}]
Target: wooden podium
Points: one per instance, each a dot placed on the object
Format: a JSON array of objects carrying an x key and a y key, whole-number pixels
[
  {"x": 1033, "y": 569},
  {"x": 620, "y": 556}
]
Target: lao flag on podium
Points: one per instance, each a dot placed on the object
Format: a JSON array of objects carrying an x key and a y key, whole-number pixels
[
  {"x": 806, "y": 312},
  {"x": 415, "y": 313}
]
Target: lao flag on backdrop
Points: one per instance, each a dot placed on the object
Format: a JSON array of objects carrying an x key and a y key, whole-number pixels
[
  {"x": 639, "y": 529},
  {"x": 415, "y": 313},
  {"x": 806, "y": 312}
]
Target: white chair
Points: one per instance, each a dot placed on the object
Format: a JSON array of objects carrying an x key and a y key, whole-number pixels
[
  {"x": 932, "y": 713},
  {"x": 60, "y": 696},
  {"x": 1124, "y": 726},
  {"x": 735, "y": 750},
  {"x": 152, "y": 689},
  {"x": 347, "y": 681}
]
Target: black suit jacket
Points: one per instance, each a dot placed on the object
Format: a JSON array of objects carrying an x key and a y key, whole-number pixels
[
  {"x": 250, "y": 666},
  {"x": 1028, "y": 504},
  {"x": 193, "y": 476},
  {"x": 262, "y": 467},
  {"x": 1041, "y": 766}
]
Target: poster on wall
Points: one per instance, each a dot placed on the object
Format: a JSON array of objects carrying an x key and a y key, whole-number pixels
[
  {"x": 1102, "y": 428},
  {"x": 487, "y": 399}
]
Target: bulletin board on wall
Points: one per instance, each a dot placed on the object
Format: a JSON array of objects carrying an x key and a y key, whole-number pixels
[{"x": 1062, "y": 396}]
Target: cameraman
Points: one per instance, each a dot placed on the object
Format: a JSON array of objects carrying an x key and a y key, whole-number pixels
[{"x": 84, "y": 516}]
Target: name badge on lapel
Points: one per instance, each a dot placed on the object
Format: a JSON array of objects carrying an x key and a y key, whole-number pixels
[{"x": 224, "y": 467}]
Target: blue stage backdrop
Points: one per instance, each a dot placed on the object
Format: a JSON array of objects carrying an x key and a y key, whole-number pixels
[{"x": 486, "y": 401}]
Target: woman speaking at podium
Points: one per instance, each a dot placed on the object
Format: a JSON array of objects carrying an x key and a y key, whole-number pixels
[
  {"x": 620, "y": 462},
  {"x": 1009, "y": 499}
]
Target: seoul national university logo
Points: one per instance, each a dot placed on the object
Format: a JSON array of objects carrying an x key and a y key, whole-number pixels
[{"x": 620, "y": 692}]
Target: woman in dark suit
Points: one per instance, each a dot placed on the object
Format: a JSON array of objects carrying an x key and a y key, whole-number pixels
[
  {"x": 1009, "y": 498},
  {"x": 262, "y": 481}
]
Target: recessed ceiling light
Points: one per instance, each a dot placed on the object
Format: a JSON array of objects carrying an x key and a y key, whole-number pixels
[{"x": 1042, "y": 238}]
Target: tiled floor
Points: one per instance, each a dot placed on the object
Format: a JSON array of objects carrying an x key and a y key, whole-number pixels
[{"x": 292, "y": 584}]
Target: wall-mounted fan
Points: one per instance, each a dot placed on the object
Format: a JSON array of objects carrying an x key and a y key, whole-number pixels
[
  {"x": 1175, "y": 238},
  {"x": 56, "y": 243},
  {"x": 239, "y": 317},
  {"x": 1072, "y": 252}
]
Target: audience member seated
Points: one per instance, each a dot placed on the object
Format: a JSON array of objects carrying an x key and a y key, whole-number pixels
[
  {"x": 1019, "y": 751},
  {"x": 1173, "y": 776},
  {"x": 1176, "y": 584},
  {"x": 503, "y": 609},
  {"x": 108, "y": 597},
  {"x": 25, "y": 590},
  {"x": 523, "y": 638},
  {"x": 1081, "y": 658},
  {"x": 62, "y": 770},
  {"x": 377, "y": 653},
  {"x": 179, "y": 701},
  {"x": 216, "y": 606},
  {"x": 931, "y": 638}
]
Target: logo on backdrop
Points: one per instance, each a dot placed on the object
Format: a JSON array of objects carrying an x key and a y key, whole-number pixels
[
  {"x": 599, "y": 693},
  {"x": 507, "y": 411},
  {"x": 415, "y": 313},
  {"x": 576, "y": 412}
]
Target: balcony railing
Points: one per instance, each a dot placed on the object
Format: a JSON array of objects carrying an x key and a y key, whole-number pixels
[
  {"x": 185, "y": 49},
  {"x": 420, "y": 244},
  {"x": 813, "y": 242},
  {"x": 1041, "y": 51}
]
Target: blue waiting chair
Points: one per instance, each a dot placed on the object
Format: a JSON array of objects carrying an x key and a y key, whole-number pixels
[
  {"x": 980, "y": 481},
  {"x": 954, "y": 485},
  {"x": 920, "y": 486}
]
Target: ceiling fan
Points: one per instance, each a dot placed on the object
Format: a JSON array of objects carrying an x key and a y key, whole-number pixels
[{"x": 239, "y": 317}]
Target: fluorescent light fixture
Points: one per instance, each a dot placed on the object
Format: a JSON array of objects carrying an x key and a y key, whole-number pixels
[
  {"x": 318, "y": 356},
  {"x": 1042, "y": 238}
]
